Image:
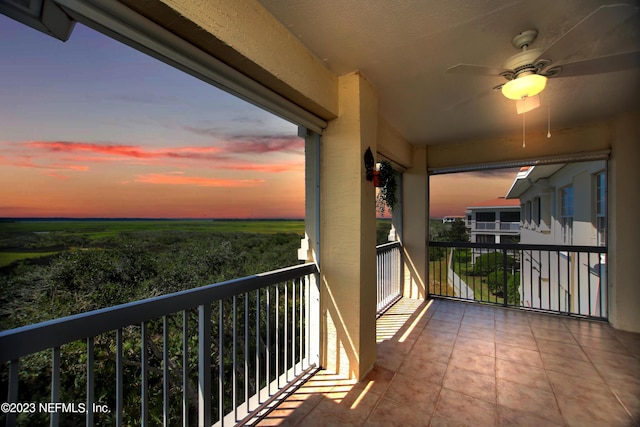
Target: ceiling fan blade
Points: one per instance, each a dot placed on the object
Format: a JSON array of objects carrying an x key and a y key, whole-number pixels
[
  {"x": 480, "y": 70},
  {"x": 603, "y": 64},
  {"x": 591, "y": 28},
  {"x": 464, "y": 102}
]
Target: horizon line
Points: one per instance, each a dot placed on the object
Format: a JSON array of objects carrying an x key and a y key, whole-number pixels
[{"x": 64, "y": 218}]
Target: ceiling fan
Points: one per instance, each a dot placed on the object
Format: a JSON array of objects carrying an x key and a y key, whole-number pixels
[{"x": 527, "y": 71}]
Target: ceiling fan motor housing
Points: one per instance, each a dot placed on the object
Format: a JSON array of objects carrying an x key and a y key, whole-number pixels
[{"x": 525, "y": 61}]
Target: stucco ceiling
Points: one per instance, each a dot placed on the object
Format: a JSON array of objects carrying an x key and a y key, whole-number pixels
[{"x": 404, "y": 47}]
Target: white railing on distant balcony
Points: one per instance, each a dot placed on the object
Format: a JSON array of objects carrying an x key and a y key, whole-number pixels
[
  {"x": 481, "y": 225},
  {"x": 510, "y": 226},
  {"x": 389, "y": 275},
  {"x": 495, "y": 225},
  {"x": 206, "y": 356}
]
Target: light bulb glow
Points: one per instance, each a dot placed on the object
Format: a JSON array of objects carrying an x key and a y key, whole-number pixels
[{"x": 524, "y": 86}]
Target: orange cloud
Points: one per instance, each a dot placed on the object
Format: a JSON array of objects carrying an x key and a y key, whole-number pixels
[
  {"x": 265, "y": 168},
  {"x": 57, "y": 175},
  {"x": 134, "y": 151},
  {"x": 156, "y": 178}
]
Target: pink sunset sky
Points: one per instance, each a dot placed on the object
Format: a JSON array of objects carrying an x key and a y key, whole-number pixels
[{"x": 94, "y": 128}]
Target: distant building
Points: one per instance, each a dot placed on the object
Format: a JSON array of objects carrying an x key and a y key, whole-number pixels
[
  {"x": 494, "y": 221},
  {"x": 449, "y": 219},
  {"x": 562, "y": 205}
]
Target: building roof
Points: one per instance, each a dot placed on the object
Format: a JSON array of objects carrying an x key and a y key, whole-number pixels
[
  {"x": 496, "y": 203},
  {"x": 528, "y": 176}
]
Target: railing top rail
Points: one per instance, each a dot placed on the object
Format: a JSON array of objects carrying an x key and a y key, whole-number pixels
[
  {"x": 387, "y": 247},
  {"x": 18, "y": 342},
  {"x": 521, "y": 246}
]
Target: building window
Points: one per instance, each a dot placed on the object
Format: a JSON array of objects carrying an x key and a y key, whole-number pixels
[
  {"x": 528, "y": 215},
  {"x": 600, "y": 211},
  {"x": 566, "y": 214},
  {"x": 485, "y": 238}
]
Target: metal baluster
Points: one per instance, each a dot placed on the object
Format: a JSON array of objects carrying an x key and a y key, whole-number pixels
[
  {"x": 301, "y": 326},
  {"x": 293, "y": 326},
  {"x": 569, "y": 267},
  {"x": 119, "y": 379},
  {"x": 591, "y": 313},
  {"x": 559, "y": 276},
  {"x": 259, "y": 400},
  {"x": 531, "y": 276},
  {"x": 268, "y": 352},
  {"x": 165, "y": 370},
  {"x": 578, "y": 268},
  {"x": 277, "y": 336},
  {"x": 285, "y": 325},
  {"x": 246, "y": 351},
  {"x": 90, "y": 381},
  {"x": 549, "y": 274},
  {"x": 466, "y": 270},
  {"x": 204, "y": 365},
  {"x": 54, "y": 419},
  {"x": 12, "y": 392},
  {"x": 606, "y": 289},
  {"x": 234, "y": 378},
  {"x": 185, "y": 368},
  {"x": 144, "y": 362},
  {"x": 307, "y": 299},
  {"x": 221, "y": 363}
]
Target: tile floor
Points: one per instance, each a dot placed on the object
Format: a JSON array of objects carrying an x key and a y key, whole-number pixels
[{"x": 447, "y": 363}]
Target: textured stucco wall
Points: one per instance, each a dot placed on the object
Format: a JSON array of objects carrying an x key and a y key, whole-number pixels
[
  {"x": 348, "y": 231},
  {"x": 624, "y": 226},
  {"x": 415, "y": 225}
]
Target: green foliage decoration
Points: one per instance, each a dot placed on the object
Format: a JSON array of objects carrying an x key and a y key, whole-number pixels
[{"x": 387, "y": 194}]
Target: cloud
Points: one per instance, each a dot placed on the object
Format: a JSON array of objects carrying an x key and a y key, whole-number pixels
[
  {"x": 27, "y": 162},
  {"x": 245, "y": 119},
  {"x": 57, "y": 175},
  {"x": 80, "y": 168},
  {"x": 172, "y": 179},
  {"x": 252, "y": 143},
  {"x": 265, "y": 168},
  {"x": 133, "y": 151},
  {"x": 70, "y": 147},
  {"x": 228, "y": 155},
  {"x": 265, "y": 144}
]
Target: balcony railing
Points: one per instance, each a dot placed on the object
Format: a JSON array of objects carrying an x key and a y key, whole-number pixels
[
  {"x": 210, "y": 355},
  {"x": 495, "y": 225},
  {"x": 482, "y": 225},
  {"x": 510, "y": 226},
  {"x": 389, "y": 271},
  {"x": 569, "y": 280}
]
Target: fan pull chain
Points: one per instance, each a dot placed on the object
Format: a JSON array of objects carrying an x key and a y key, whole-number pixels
[
  {"x": 523, "y": 123},
  {"x": 549, "y": 120}
]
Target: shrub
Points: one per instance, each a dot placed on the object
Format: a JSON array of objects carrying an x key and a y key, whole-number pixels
[{"x": 492, "y": 261}]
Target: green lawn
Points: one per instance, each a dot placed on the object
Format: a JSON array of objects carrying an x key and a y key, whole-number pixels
[
  {"x": 96, "y": 229},
  {"x": 52, "y": 232},
  {"x": 7, "y": 258},
  {"x": 438, "y": 270}
]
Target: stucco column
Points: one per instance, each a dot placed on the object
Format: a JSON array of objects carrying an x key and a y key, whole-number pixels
[
  {"x": 348, "y": 232},
  {"x": 415, "y": 225},
  {"x": 624, "y": 227}
]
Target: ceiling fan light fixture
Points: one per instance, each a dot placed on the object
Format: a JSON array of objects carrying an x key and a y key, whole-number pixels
[{"x": 524, "y": 86}]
